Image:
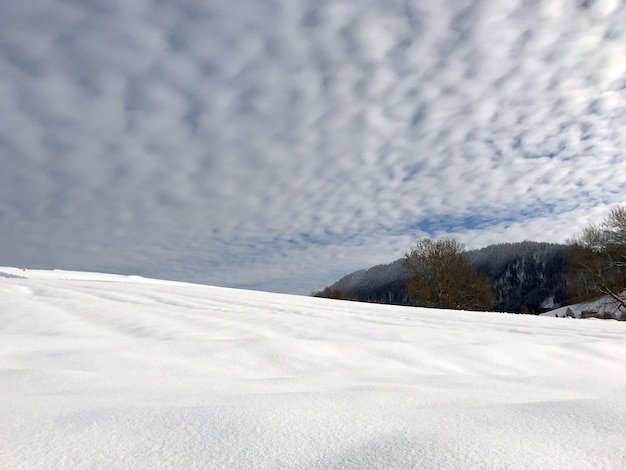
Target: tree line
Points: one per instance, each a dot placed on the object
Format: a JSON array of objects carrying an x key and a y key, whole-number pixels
[
  {"x": 440, "y": 274},
  {"x": 597, "y": 262}
]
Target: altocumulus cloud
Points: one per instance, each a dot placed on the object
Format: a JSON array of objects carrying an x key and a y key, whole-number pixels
[{"x": 280, "y": 144}]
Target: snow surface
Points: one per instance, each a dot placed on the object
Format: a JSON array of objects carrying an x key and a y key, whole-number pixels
[
  {"x": 100, "y": 371},
  {"x": 602, "y": 305}
]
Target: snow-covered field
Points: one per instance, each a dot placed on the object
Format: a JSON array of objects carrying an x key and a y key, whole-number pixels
[
  {"x": 100, "y": 371},
  {"x": 599, "y": 307}
]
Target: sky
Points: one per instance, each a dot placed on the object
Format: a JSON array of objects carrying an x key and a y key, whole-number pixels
[{"x": 280, "y": 144}]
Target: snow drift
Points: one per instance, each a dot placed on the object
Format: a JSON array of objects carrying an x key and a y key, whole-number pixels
[{"x": 103, "y": 371}]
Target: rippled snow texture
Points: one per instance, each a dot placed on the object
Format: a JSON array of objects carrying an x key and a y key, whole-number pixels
[{"x": 101, "y": 371}]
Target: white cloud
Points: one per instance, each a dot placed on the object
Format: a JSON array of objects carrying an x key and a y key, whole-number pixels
[{"x": 224, "y": 142}]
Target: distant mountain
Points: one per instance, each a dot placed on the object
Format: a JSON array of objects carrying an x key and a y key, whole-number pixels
[
  {"x": 382, "y": 284},
  {"x": 526, "y": 276}
]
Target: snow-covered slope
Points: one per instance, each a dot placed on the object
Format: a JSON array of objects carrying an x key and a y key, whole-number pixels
[
  {"x": 602, "y": 307},
  {"x": 100, "y": 371}
]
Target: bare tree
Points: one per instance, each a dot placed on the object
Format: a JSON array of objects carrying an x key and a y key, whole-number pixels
[
  {"x": 597, "y": 262},
  {"x": 444, "y": 278}
]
